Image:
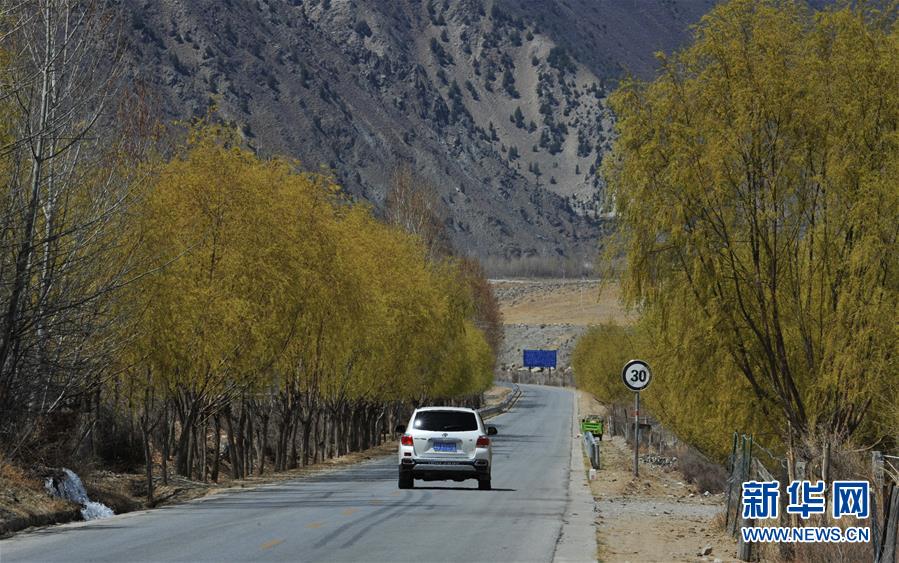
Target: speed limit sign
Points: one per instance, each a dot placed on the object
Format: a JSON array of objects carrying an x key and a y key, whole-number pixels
[{"x": 636, "y": 375}]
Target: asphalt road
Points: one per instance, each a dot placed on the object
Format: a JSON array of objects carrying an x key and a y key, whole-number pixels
[{"x": 358, "y": 513}]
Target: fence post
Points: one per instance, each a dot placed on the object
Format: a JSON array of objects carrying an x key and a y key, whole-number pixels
[
  {"x": 885, "y": 550},
  {"x": 892, "y": 521},
  {"x": 875, "y": 528},
  {"x": 877, "y": 470},
  {"x": 730, "y": 486},
  {"x": 744, "y": 549},
  {"x": 737, "y": 478},
  {"x": 885, "y": 520}
]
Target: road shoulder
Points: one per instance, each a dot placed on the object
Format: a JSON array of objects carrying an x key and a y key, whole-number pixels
[
  {"x": 657, "y": 517},
  {"x": 577, "y": 541}
]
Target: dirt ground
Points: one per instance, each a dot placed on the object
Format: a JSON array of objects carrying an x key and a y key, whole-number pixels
[{"x": 657, "y": 517}]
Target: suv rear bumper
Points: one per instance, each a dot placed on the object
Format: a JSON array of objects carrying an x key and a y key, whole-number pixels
[{"x": 443, "y": 470}]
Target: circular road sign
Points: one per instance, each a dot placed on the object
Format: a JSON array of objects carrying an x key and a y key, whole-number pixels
[{"x": 636, "y": 375}]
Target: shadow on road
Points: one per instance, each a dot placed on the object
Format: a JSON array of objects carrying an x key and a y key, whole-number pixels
[{"x": 431, "y": 488}]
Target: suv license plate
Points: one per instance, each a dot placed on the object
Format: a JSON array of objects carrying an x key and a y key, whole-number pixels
[{"x": 444, "y": 447}]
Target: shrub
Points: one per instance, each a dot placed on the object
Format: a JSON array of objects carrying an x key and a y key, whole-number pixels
[
  {"x": 560, "y": 60},
  {"x": 362, "y": 28},
  {"x": 698, "y": 470}
]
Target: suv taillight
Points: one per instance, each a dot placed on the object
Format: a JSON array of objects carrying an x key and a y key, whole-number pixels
[
  {"x": 483, "y": 441},
  {"x": 406, "y": 440}
]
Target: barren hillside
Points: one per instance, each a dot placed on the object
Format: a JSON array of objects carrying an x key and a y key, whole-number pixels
[{"x": 500, "y": 105}]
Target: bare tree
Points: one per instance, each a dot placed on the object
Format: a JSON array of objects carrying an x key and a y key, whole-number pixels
[
  {"x": 413, "y": 205},
  {"x": 65, "y": 189}
]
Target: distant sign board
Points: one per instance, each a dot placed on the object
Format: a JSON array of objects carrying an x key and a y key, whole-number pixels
[{"x": 540, "y": 358}]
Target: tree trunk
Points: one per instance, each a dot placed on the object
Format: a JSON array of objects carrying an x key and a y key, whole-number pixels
[
  {"x": 217, "y": 449},
  {"x": 166, "y": 441},
  {"x": 307, "y": 440},
  {"x": 201, "y": 443},
  {"x": 183, "y": 453},
  {"x": 246, "y": 436},
  {"x": 232, "y": 444},
  {"x": 263, "y": 444},
  {"x": 294, "y": 457},
  {"x": 148, "y": 457},
  {"x": 146, "y": 429}
]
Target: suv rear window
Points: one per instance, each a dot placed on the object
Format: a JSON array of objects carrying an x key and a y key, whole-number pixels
[{"x": 445, "y": 421}]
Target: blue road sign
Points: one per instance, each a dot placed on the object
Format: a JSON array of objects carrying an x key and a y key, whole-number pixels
[{"x": 540, "y": 358}]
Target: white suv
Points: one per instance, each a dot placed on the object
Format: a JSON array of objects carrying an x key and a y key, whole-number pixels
[{"x": 445, "y": 443}]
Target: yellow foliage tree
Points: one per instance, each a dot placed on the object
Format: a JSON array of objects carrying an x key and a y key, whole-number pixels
[
  {"x": 755, "y": 180},
  {"x": 265, "y": 287}
]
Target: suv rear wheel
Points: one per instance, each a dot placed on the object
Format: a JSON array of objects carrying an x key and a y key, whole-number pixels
[
  {"x": 406, "y": 481},
  {"x": 484, "y": 483}
]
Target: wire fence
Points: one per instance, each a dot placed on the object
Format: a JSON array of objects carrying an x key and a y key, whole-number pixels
[
  {"x": 750, "y": 461},
  {"x": 654, "y": 438}
]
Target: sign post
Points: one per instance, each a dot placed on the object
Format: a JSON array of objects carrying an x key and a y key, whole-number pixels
[{"x": 636, "y": 376}]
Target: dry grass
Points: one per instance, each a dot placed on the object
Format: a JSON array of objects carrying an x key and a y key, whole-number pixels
[
  {"x": 560, "y": 302},
  {"x": 816, "y": 552},
  {"x": 587, "y": 404},
  {"x": 24, "y": 503},
  {"x": 719, "y": 522},
  {"x": 495, "y": 395},
  {"x": 706, "y": 475},
  {"x": 13, "y": 475}
]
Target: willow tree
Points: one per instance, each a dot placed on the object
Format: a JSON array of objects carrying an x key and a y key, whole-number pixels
[
  {"x": 755, "y": 179},
  {"x": 413, "y": 204},
  {"x": 272, "y": 304},
  {"x": 598, "y": 357},
  {"x": 221, "y": 296}
]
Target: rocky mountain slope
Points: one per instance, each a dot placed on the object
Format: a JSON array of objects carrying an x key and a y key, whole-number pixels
[{"x": 501, "y": 106}]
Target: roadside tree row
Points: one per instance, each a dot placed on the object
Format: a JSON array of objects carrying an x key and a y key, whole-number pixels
[
  {"x": 278, "y": 316},
  {"x": 756, "y": 186}
]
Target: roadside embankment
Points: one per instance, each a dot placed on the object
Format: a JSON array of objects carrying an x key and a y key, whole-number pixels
[
  {"x": 656, "y": 517},
  {"x": 496, "y": 395},
  {"x": 24, "y": 503}
]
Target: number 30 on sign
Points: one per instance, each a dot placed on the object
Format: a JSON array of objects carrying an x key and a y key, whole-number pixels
[{"x": 636, "y": 375}]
